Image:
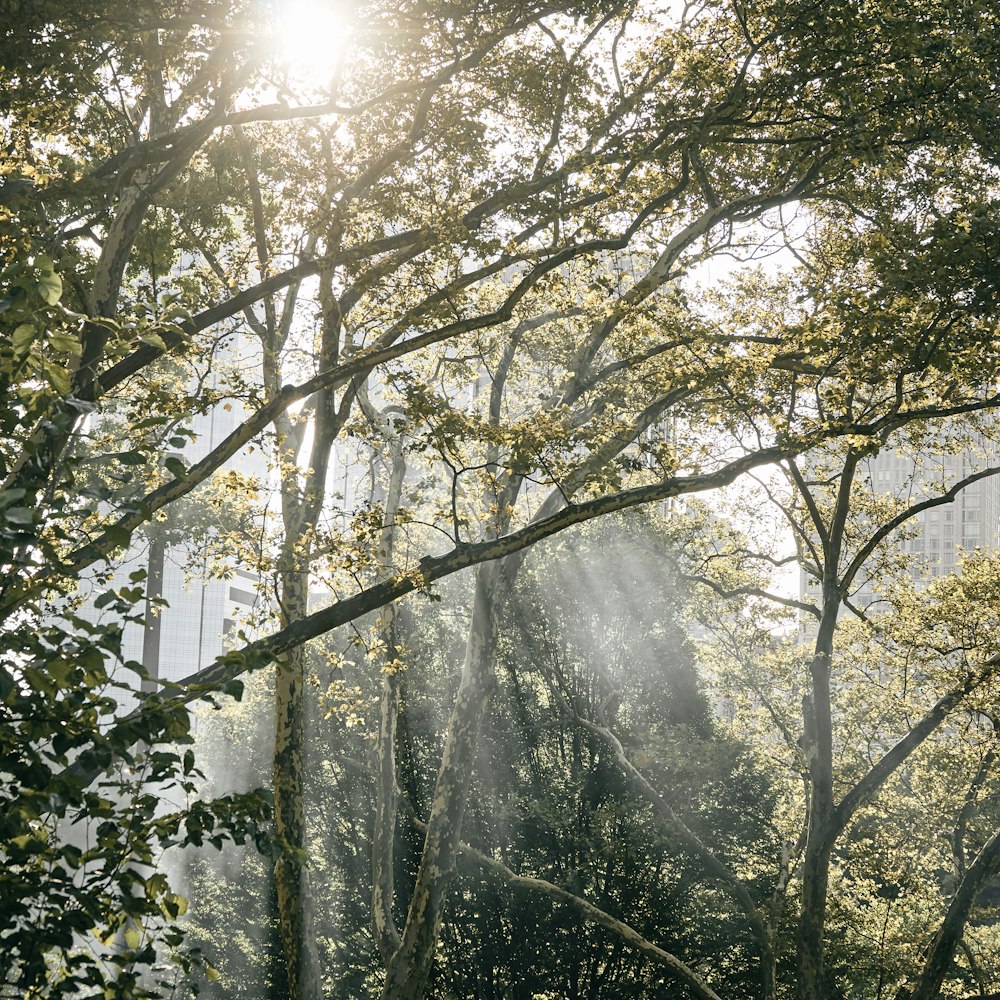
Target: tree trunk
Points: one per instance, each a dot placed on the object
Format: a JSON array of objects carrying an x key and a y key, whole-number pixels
[
  {"x": 952, "y": 929},
  {"x": 153, "y": 617},
  {"x": 817, "y": 737},
  {"x": 387, "y": 789},
  {"x": 301, "y": 503},
  {"x": 811, "y": 980},
  {"x": 291, "y": 873},
  {"x": 409, "y": 968},
  {"x": 386, "y": 802}
]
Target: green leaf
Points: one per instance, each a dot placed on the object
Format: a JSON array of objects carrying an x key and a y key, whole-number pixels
[
  {"x": 156, "y": 885},
  {"x": 47, "y": 283},
  {"x": 65, "y": 342},
  {"x": 21, "y": 516},
  {"x": 154, "y": 340},
  {"x": 58, "y": 377},
  {"x": 23, "y": 336},
  {"x": 176, "y": 466},
  {"x": 152, "y": 422},
  {"x": 61, "y": 671},
  {"x": 11, "y": 496},
  {"x": 234, "y": 689}
]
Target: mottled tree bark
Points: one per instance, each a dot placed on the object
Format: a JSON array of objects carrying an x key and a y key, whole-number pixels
[
  {"x": 823, "y": 822},
  {"x": 386, "y": 787},
  {"x": 410, "y": 966},
  {"x": 291, "y": 872},
  {"x": 302, "y": 500},
  {"x": 386, "y": 807}
]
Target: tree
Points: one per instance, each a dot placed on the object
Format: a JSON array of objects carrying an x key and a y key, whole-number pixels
[
  {"x": 544, "y": 796},
  {"x": 900, "y": 691},
  {"x": 512, "y": 188}
]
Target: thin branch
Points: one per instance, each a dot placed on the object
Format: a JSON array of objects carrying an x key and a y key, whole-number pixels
[
  {"x": 594, "y": 914},
  {"x": 766, "y": 595},
  {"x": 947, "y": 497},
  {"x": 872, "y": 782}
]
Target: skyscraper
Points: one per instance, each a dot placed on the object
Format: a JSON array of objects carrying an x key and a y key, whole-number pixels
[
  {"x": 935, "y": 539},
  {"x": 199, "y": 608}
]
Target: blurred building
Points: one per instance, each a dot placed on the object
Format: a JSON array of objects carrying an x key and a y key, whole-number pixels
[
  {"x": 935, "y": 539},
  {"x": 201, "y": 607}
]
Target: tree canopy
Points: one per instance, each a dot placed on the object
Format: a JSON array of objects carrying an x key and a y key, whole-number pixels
[{"x": 490, "y": 272}]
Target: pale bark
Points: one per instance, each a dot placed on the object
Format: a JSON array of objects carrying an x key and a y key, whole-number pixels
[
  {"x": 301, "y": 503},
  {"x": 386, "y": 789},
  {"x": 154, "y": 599},
  {"x": 410, "y": 966},
  {"x": 291, "y": 871},
  {"x": 295, "y": 900},
  {"x": 386, "y": 807}
]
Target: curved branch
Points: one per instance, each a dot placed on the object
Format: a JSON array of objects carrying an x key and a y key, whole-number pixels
[
  {"x": 766, "y": 595},
  {"x": 952, "y": 928},
  {"x": 901, "y": 518},
  {"x": 872, "y": 782},
  {"x": 263, "y": 651},
  {"x": 713, "y": 866},
  {"x": 588, "y": 911}
]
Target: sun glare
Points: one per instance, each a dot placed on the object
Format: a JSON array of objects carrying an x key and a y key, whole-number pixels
[{"x": 311, "y": 36}]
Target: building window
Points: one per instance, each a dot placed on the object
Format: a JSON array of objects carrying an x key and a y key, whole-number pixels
[{"x": 242, "y": 596}]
